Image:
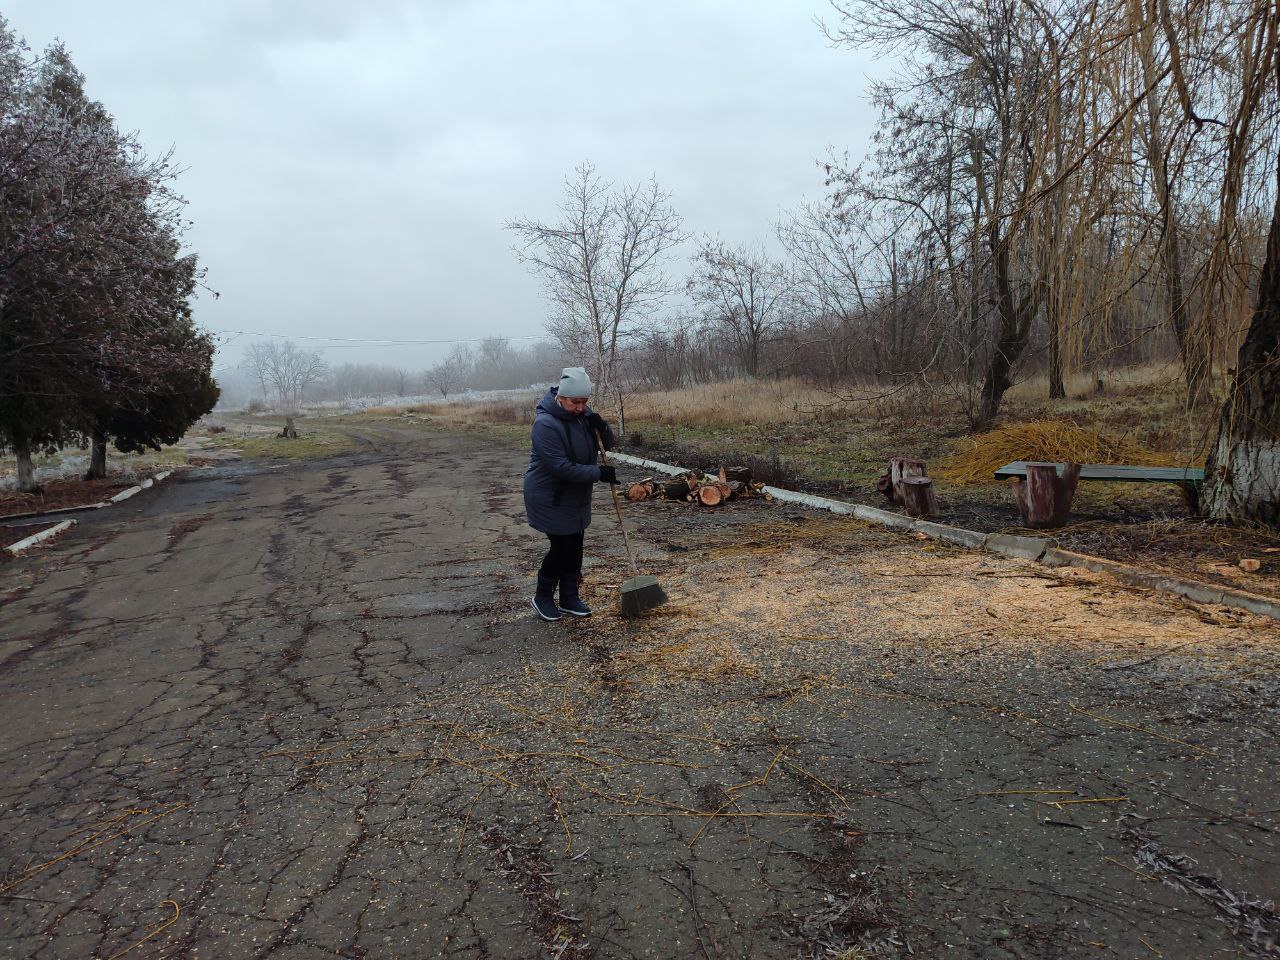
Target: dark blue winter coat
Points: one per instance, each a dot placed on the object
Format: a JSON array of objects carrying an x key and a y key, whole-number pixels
[{"x": 562, "y": 469}]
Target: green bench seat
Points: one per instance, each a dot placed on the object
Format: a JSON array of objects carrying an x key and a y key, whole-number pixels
[{"x": 1116, "y": 472}]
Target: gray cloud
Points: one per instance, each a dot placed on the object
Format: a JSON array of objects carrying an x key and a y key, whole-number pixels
[{"x": 349, "y": 166}]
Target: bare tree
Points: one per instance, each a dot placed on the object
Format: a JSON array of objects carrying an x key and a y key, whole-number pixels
[
  {"x": 601, "y": 264},
  {"x": 451, "y": 373},
  {"x": 282, "y": 368},
  {"x": 745, "y": 292}
]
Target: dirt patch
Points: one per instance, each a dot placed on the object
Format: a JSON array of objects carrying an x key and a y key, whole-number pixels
[
  {"x": 1144, "y": 525},
  {"x": 59, "y": 494}
]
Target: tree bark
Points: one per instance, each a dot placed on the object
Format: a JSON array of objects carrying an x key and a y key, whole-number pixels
[
  {"x": 97, "y": 455},
  {"x": 26, "y": 469},
  {"x": 1242, "y": 478},
  {"x": 1044, "y": 498},
  {"x": 900, "y": 469},
  {"x": 677, "y": 489},
  {"x": 1057, "y": 389},
  {"x": 918, "y": 497}
]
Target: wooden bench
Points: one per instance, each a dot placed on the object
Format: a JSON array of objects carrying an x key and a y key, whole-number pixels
[{"x": 1189, "y": 479}]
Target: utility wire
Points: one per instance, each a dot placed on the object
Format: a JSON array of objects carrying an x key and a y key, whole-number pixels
[{"x": 289, "y": 336}]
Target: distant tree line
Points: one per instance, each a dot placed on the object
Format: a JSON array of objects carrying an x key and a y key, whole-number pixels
[
  {"x": 1052, "y": 187},
  {"x": 284, "y": 375},
  {"x": 96, "y": 338}
]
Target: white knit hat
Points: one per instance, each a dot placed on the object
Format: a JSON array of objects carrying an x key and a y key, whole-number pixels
[{"x": 574, "y": 382}]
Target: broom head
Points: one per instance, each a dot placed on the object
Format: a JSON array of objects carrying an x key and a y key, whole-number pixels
[{"x": 640, "y": 594}]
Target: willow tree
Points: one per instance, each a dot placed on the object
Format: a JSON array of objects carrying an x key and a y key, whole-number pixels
[
  {"x": 972, "y": 139},
  {"x": 1243, "y": 471}
]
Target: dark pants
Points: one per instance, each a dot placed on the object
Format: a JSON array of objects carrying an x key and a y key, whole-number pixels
[{"x": 562, "y": 566}]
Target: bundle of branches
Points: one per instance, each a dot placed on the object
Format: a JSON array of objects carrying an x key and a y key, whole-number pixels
[
  {"x": 732, "y": 483},
  {"x": 1047, "y": 441}
]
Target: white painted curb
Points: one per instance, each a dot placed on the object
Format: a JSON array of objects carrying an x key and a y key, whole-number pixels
[
  {"x": 149, "y": 482},
  {"x": 31, "y": 541}
]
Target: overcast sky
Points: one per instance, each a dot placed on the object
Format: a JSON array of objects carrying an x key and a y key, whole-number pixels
[{"x": 350, "y": 165}]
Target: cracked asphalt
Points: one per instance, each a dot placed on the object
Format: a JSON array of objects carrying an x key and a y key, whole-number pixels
[{"x": 305, "y": 711}]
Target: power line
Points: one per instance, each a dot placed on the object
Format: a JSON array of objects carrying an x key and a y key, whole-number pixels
[{"x": 358, "y": 340}]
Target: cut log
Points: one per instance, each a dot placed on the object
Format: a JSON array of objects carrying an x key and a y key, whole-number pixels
[
  {"x": 712, "y": 494},
  {"x": 735, "y": 488},
  {"x": 641, "y": 490},
  {"x": 677, "y": 489},
  {"x": 1044, "y": 498},
  {"x": 741, "y": 474},
  {"x": 899, "y": 469},
  {"x": 918, "y": 497}
]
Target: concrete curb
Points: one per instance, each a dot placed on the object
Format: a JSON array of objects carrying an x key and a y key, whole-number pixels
[
  {"x": 122, "y": 495},
  {"x": 28, "y": 542},
  {"x": 1038, "y": 549},
  {"x": 1192, "y": 590}
]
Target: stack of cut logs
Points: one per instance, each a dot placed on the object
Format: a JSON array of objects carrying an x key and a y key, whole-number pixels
[{"x": 732, "y": 483}]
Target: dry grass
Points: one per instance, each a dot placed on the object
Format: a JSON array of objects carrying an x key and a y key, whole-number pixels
[
  {"x": 755, "y": 402},
  {"x": 514, "y": 410},
  {"x": 1121, "y": 380},
  {"x": 1053, "y": 441}
]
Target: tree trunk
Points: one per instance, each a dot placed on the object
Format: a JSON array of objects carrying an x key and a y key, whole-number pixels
[
  {"x": 26, "y": 469},
  {"x": 1015, "y": 329},
  {"x": 1242, "y": 479},
  {"x": 1190, "y": 350},
  {"x": 97, "y": 455},
  {"x": 1057, "y": 389},
  {"x": 1195, "y": 362}
]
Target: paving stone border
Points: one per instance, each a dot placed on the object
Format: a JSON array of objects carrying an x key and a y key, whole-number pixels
[
  {"x": 122, "y": 495},
  {"x": 1040, "y": 549}
]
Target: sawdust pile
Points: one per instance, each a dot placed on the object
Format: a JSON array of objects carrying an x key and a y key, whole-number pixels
[{"x": 1052, "y": 441}]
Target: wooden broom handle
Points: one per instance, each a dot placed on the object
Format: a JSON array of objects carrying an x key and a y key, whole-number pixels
[{"x": 617, "y": 506}]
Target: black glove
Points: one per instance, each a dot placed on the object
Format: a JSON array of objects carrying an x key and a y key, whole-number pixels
[
  {"x": 608, "y": 474},
  {"x": 598, "y": 428}
]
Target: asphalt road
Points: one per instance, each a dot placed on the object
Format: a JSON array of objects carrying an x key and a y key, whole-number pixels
[{"x": 304, "y": 711}]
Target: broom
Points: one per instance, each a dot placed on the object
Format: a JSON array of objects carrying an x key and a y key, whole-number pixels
[{"x": 641, "y": 592}]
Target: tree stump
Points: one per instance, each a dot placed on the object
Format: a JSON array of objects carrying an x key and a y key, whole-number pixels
[
  {"x": 899, "y": 469},
  {"x": 918, "y": 497},
  {"x": 1044, "y": 497},
  {"x": 289, "y": 433}
]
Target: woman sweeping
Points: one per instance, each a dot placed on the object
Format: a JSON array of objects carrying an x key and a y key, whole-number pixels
[{"x": 557, "y": 488}]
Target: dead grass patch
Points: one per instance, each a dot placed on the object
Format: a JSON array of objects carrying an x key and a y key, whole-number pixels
[{"x": 1051, "y": 441}]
